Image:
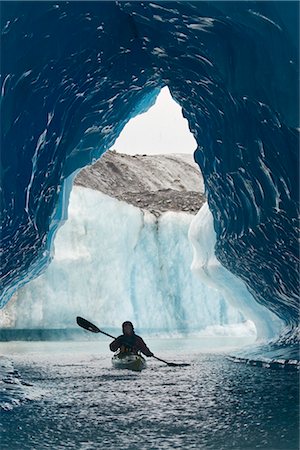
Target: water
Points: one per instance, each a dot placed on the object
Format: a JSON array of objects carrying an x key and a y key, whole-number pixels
[{"x": 73, "y": 399}]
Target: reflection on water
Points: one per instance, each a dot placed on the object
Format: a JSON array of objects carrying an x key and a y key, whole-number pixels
[{"x": 78, "y": 401}]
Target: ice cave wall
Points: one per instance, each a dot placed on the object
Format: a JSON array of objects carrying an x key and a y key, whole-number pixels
[{"x": 75, "y": 72}]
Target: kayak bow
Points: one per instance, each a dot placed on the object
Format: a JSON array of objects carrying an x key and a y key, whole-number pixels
[{"x": 129, "y": 361}]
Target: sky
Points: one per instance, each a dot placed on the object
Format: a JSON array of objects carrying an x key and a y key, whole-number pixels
[{"x": 162, "y": 129}]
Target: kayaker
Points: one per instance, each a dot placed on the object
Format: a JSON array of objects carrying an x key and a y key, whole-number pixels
[{"x": 129, "y": 341}]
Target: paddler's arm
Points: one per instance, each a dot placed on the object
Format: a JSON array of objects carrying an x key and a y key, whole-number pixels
[
  {"x": 140, "y": 345},
  {"x": 114, "y": 345}
]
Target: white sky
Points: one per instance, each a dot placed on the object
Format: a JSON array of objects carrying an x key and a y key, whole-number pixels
[{"x": 162, "y": 129}]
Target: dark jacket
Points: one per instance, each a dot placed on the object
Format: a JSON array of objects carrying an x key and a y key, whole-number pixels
[{"x": 132, "y": 343}]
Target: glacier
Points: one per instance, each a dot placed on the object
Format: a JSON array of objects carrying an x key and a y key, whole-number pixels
[
  {"x": 124, "y": 253},
  {"x": 73, "y": 74},
  {"x": 126, "y": 265}
]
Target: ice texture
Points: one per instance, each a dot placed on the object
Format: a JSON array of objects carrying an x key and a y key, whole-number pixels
[
  {"x": 74, "y": 73},
  {"x": 124, "y": 265}
]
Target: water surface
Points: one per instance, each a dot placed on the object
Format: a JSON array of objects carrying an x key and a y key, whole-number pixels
[{"x": 69, "y": 397}]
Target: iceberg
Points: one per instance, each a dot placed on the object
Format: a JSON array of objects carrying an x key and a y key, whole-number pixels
[
  {"x": 126, "y": 265},
  {"x": 74, "y": 73}
]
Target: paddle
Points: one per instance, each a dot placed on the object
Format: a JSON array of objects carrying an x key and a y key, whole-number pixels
[{"x": 83, "y": 323}]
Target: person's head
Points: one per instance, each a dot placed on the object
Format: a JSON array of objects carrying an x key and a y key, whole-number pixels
[{"x": 127, "y": 328}]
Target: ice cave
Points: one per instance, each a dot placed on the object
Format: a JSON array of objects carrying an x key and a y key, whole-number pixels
[{"x": 75, "y": 73}]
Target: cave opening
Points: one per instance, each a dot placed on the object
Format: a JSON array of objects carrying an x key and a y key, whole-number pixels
[
  {"x": 131, "y": 210},
  {"x": 160, "y": 130}
]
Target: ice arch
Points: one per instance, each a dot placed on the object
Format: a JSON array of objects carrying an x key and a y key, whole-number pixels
[{"x": 73, "y": 75}]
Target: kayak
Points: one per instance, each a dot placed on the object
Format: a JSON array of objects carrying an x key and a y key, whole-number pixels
[{"x": 128, "y": 361}]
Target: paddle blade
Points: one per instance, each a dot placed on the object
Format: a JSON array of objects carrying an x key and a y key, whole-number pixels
[
  {"x": 83, "y": 323},
  {"x": 178, "y": 365},
  {"x": 171, "y": 364}
]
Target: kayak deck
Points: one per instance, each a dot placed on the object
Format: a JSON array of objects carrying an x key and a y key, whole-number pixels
[{"x": 129, "y": 361}]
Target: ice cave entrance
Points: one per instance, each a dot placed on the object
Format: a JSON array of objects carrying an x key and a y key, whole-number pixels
[
  {"x": 124, "y": 253},
  {"x": 160, "y": 130}
]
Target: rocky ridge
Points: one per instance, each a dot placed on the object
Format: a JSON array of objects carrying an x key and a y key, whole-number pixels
[{"x": 156, "y": 183}]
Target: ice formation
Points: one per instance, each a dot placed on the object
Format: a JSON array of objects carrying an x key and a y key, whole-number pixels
[
  {"x": 126, "y": 265},
  {"x": 74, "y": 73}
]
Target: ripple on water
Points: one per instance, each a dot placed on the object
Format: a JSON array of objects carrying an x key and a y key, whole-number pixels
[
  {"x": 213, "y": 404},
  {"x": 13, "y": 389}
]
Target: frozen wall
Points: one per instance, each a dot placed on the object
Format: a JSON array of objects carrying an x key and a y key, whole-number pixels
[
  {"x": 211, "y": 272},
  {"x": 121, "y": 265},
  {"x": 74, "y": 73}
]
